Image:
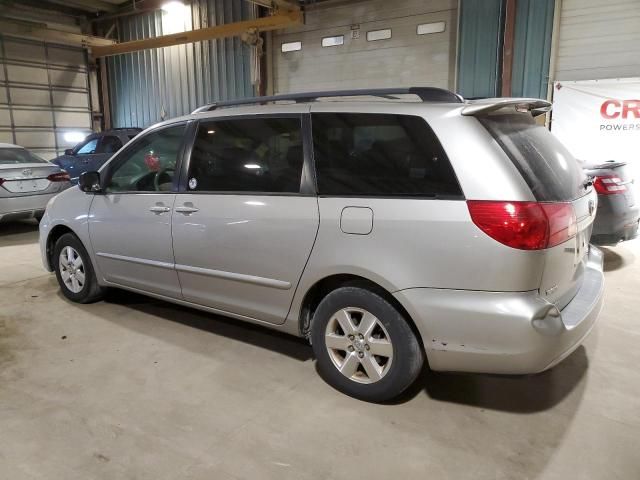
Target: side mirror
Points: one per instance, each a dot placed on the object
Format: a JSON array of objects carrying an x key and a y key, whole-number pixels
[
  {"x": 68, "y": 151},
  {"x": 89, "y": 182}
]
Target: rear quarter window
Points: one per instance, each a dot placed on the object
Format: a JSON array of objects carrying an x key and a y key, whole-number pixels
[
  {"x": 358, "y": 154},
  {"x": 550, "y": 171}
]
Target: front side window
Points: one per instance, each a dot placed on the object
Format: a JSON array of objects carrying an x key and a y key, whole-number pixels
[
  {"x": 247, "y": 155},
  {"x": 358, "y": 154},
  {"x": 88, "y": 148},
  {"x": 150, "y": 164},
  {"x": 109, "y": 144}
]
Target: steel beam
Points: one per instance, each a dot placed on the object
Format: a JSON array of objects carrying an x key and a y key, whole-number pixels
[{"x": 281, "y": 19}]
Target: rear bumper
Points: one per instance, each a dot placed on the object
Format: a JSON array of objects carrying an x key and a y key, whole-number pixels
[
  {"x": 503, "y": 332},
  {"x": 15, "y": 208},
  {"x": 615, "y": 220}
]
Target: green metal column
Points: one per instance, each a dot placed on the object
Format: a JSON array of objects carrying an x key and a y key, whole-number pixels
[
  {"x": 480, "y": 47},
  {"x": 532, "y": 47}
]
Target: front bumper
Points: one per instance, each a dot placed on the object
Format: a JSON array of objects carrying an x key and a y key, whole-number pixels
[
  {"x": 503, "y": 332},
  {"x": 28, "y": 206}
]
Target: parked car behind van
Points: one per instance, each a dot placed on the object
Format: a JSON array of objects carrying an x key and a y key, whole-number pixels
[
  {"x": 618, "y": 213},
  {"x": 27, "y": 183},
  {"x": 94, "y": 151},
  {"x": 384, "y": 231}
]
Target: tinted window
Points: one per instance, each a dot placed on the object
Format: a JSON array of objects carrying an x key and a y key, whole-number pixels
[
  {"x": 88, "y": 148},
  {"x": 149, "y": 165},
  {"x": 247, "y": 155},
  {"x": 545, "y": 164},
  {"x": 380, "y": 155},
  {"x": 109, "y": 144},
  {"x": 14, "y": 156}
]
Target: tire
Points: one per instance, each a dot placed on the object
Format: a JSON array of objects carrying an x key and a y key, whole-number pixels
[
  {"x": 397, "y": 365},
  {"x": 85, "y": 288}
]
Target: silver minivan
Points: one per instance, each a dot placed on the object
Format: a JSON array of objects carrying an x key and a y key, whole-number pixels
[{"x": 388, "y": 227}]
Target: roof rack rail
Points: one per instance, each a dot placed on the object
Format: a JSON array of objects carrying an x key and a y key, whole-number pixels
[{"x": 426, "y": 94}]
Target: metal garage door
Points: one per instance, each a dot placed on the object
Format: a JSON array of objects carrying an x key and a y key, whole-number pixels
[
  {"x": 375, "y": 43},
  {"x": 599, "y": 40},
  {"x": 44, "y": 94}
]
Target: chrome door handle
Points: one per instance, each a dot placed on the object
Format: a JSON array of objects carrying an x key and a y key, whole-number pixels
[
  {"x": 186, "y": 210},
  {"x": 159, "y": 209}
]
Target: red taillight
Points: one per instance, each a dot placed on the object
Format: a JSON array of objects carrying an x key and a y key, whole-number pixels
[
  {"x": 525, "y": 225},
  {"x": 59, "y": 177},
  {"x": 608, "y": 185}
]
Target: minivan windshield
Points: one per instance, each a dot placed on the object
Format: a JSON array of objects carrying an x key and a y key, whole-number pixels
[
  {"x": 552, "y": 173},
  {"x": 17, "y": 156}
]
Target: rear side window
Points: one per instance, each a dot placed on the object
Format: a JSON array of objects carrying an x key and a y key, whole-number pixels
[
  {"x": 15, "y": 156},
  {"x": 551, "y": 172},
  {"x": 247, "y": 155},
  {"x": 361, "y": 154}
]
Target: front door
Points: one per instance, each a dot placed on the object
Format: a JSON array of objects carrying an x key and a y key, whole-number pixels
[
  {"x": 130, "y": 224},
  {"x": 245, "y": 226}
]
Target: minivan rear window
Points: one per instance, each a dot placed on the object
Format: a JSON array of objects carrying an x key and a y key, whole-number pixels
[
  {"x": 380, "y": 155},
  {"x": 551, "y": 172}
]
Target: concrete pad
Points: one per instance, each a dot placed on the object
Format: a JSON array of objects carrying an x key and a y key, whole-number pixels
[{"x": 136, "y": 388}]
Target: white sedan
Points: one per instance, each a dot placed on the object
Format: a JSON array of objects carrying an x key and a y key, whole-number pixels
[{"x": 27, "y": 183}]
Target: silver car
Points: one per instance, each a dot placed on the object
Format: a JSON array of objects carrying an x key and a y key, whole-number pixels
[
  {"x": 387, "y": 231},
  {"x": 27, "y": 183}
]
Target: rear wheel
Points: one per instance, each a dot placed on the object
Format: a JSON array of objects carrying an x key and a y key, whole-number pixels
[
  {"x": 364, "y": 345},
  {"x": 74, "y": 271}
]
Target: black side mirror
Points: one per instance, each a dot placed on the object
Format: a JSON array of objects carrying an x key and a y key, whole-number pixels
[
  {"x": 68, "y": 151},
  {"x": 90, "y": 182}
]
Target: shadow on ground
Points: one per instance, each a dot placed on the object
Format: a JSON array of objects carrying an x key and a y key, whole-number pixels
[
  {"x": 616, "y": 258},
  {"x": 510, "y": 393},
  {"x": 18, "y": 233},
  {"x": 256, "y": 335}
]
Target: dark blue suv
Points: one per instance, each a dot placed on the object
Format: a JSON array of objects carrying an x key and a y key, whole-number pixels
[{"x": 90, "y": 154}]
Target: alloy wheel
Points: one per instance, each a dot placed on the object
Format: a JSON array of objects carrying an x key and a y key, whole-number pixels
[{"x": 358, "y": 344}]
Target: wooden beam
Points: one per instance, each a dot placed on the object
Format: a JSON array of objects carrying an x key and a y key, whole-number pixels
[
  {"x": 507, "y": 47},
  {"x": 264, "y": 24},
  {"x": 40, "y": 30}
]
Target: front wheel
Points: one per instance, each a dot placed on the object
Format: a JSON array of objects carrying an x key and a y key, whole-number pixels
[
  {"x": 364, "y": 346},
  {"x": 74, "y": 271}
]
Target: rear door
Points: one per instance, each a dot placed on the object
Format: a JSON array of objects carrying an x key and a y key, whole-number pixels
[
  {"x": 553, "y": 175},
  {"x": 245, "y": 225}
]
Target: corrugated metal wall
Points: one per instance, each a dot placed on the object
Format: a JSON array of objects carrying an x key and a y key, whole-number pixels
[
  {"x": 599, "y": 40},
  {"x": 148, "y": 86},
  {"x": 479, "y": 47},
  {"x": 532, "y": 47}
]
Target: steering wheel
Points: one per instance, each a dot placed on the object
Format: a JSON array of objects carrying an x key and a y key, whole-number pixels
[{"x": 158, "y": 176}]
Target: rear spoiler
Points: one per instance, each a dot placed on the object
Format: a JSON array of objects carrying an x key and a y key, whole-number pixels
[{"x": 479, "y": 107}]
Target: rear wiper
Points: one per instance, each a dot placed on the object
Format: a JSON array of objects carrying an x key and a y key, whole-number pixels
[{"x": 587, "y": 183}]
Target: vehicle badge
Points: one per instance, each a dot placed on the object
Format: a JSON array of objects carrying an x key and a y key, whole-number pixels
[{"x": 27, "y": 172}]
